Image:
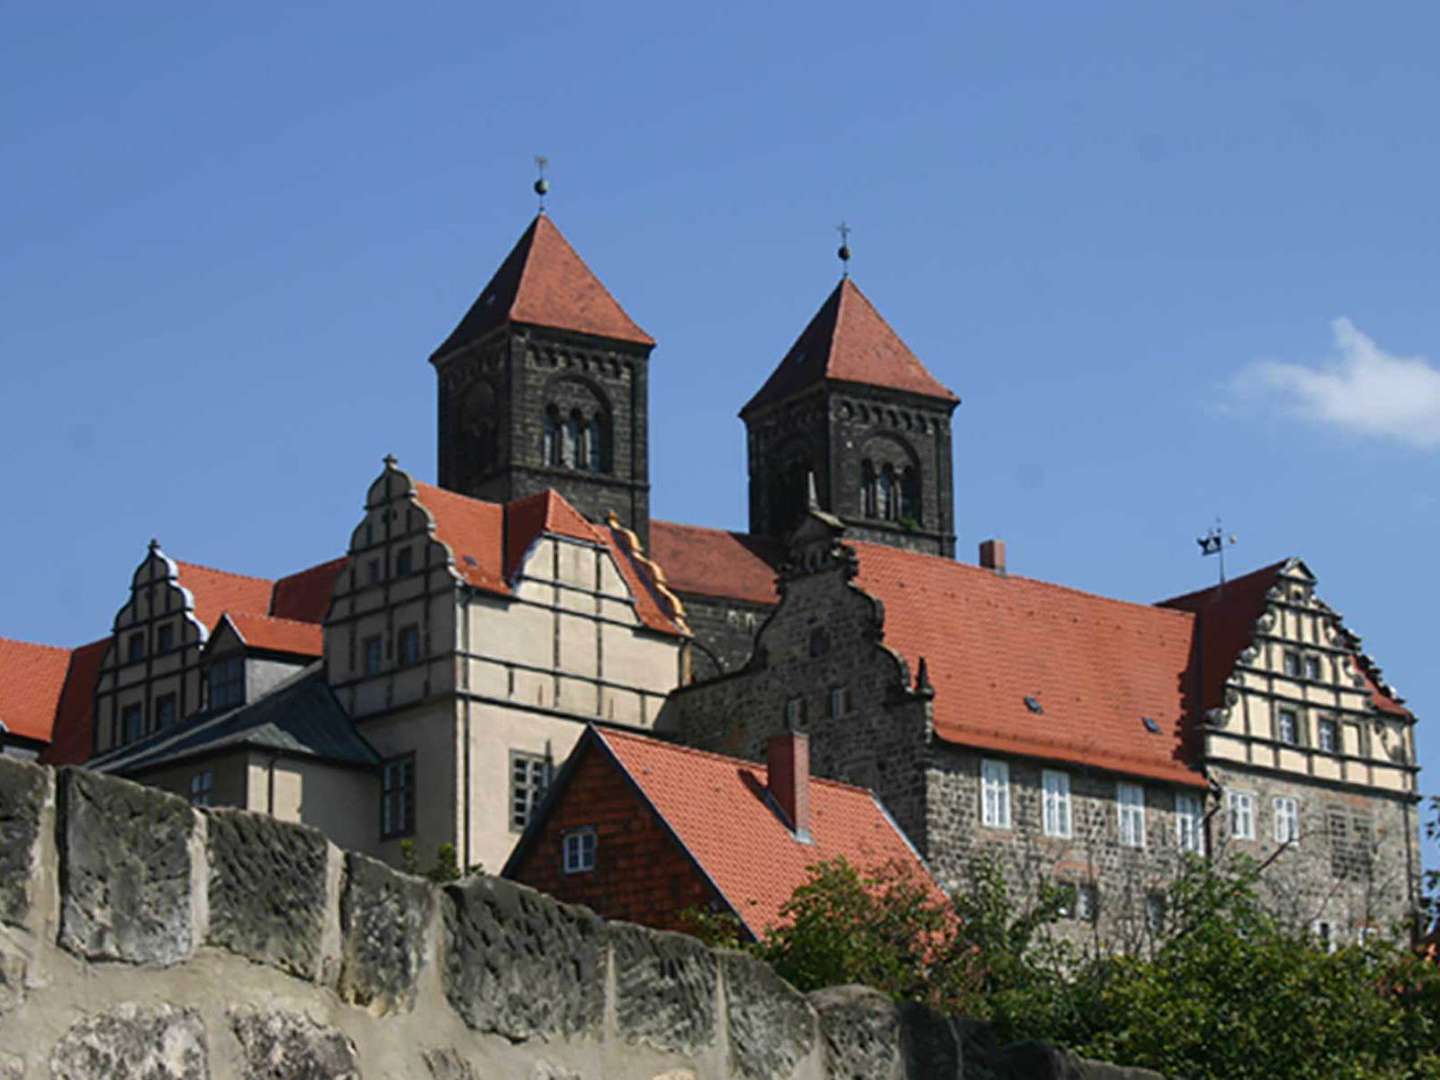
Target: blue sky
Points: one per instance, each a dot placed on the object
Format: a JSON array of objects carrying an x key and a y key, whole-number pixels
[{"x": 1179, "y": 262}]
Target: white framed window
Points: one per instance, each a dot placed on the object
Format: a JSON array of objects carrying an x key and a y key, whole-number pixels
[
  {"x": 1292, "y": 664},
  {"x": 1287, "y": 726},
  {"x": 397, "y": 798},
  {"x": 1190, "y": 823},
  {"x": 529, "y": 779},
  {"x": 1312, "y": 668},
  {"x": 1287, "y": 819},
  {"x": 1130, "y": 806},
  {"x": 994, "y": 793},
  {"x": 1085, "y": 905},
  {"x": 1055, "y": 786},
  {"x": 839, "y": 701},
  {"x": 1328, "y": 732},
  {"x": 1325, "y": 934},
  {"x": 202, "y": 785},
  {"x": 579, "y": 851},
  {"x": 1240, "y": 806}
]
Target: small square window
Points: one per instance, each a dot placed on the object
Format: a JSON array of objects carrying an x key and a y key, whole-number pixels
[
  {"x": 164, "y": 638},
  {"x": 134, "y": 648},
  {"x": 1287, "y": 726},
  {"x": 164, "y": 710},
  {"x": 409, "y": 645},
  {"x": 202, "y": 786},
  {"x": 1312, "y": 668},
  {"x": 374, "y": 654},
  {"x": 1329, "y": 735},
  {"x": 839, "y": 701},
  {"x": 580, "y": 851},
  {"x": 397, "y": 798},
  {"x": 1292, "y": 665},
  {"x": 403, "y": 562}
]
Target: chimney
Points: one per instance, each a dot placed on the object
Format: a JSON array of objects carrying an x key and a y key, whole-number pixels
[
  {"x": 787, "y": 775},
  {"x": 992, "y": 555}
]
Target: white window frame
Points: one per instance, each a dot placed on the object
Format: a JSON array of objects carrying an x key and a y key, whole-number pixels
[
  {"x": 1330, "y": 724},
  {"x": 1087, "y": 902},
  {"x": 530, "y": 776},
  {"x": 578, "y": 848},
  {"x": 994, "y": 793},
  {"x": 1055, "y": 803},
  {"x": 1292, "y": 738},
  {"x": 1130, "y": 813},
  {"x": 1240, "y": 809},
  {"x": 1190, "y": 823},
  {"x": 1287, "y": 818}
]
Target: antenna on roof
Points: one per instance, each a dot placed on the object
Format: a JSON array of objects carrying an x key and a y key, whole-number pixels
[
  {"x": 1214, "y": 542},
  {"x": 541, "y": 185},
  {"x": 844, "y": 251}
]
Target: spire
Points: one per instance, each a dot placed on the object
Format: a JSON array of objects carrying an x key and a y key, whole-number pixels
[
  {"x": 543, "y": 282},
  {"x": 849, "y": 341}
]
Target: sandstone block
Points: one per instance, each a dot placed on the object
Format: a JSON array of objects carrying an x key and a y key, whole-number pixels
[
  {"x": 276, "y": 1043},
  {"x": 521, "y": 965},
  {"x": 125, "y": 870},
  {"x": 665, "y": 988},
  {"x": 11, "y": 1067},
  {"x": 13, "y": 971},
  {"x": 384, "y": 916},
  {"x": 131, "y": 1042},
  {"x": 449, "y": 1065},
  {"x": 772, "y": 1026},
  {"x": 861, "y": 1030},
  {"x": 24, "y": 790},
  {"x": 267, "y": 890}
]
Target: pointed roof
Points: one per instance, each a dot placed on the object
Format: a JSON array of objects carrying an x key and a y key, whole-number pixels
[
  {"x": 849, "y": 341},
  {"x": 545, "y": 283}
]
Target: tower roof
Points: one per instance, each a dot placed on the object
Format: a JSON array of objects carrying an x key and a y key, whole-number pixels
[
  {"x": 849, "y": 341},
  {"x": 545, "y": 283}
]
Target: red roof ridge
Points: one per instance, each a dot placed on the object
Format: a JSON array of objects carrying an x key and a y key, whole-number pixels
[
  {"x": 186, "y": 565},
  {"x": 1244, "y": 579},
  {"x": 249, "y": 615}
]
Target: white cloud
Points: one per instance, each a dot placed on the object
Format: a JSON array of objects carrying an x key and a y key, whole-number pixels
[{"x": 1361, "y": 389}]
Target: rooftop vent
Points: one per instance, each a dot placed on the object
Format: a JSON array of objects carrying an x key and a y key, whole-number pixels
[
  {"x": 1150, "y": 725},
  {"x": 470, "y": 561},
  {"x": 1033, "y": 704}
]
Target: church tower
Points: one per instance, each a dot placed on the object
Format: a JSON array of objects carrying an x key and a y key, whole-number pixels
[
  {"x": 853, "y": 405},
  {"x": 544, "y": 385}
]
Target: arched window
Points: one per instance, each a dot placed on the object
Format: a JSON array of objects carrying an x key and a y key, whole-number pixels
[
  {"x": 867, "y": 487},
  {"x": 598, "y": 444},
  {"x": 910, "y": 508},
  {"x": 574, "y": 441},
  {"x": 886, "y": 496},
  {"x": 552, "y": 450}
]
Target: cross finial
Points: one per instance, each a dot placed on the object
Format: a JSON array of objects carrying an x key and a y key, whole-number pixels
[
  {"x": 391, "y": 461},
  {"x": 844, "y": 252},
  {"x": 541, "y": 184}
]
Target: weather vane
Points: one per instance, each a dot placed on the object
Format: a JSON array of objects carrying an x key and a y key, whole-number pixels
[
  {"x": 844, "y": 252},
  {"x": 1214, "y": 542},
  {"x": 541, "y": 184}
]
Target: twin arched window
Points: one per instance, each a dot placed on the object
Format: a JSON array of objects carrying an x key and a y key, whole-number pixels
[
  {"x": 577, "y": 441},
  {"x": 891, "y": 494}
]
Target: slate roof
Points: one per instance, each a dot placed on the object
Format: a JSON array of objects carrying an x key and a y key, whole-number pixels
[
  {"x": 848, "y": 341},
  {"x": 716, "y": 563},
  {"x": 543, "y": 282},
  {"x": 299, "y": 717}
]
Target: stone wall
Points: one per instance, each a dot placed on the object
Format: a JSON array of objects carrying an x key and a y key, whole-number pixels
[
  {"x": 141, "y": 939},
  {"x": 725, "y": 629}
]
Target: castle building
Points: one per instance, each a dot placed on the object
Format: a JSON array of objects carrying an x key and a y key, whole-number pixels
[{"x": 424, "y": 687}]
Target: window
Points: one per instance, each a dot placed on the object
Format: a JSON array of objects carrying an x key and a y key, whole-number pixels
[
  {"x": 1130, "y": 804},
  {"x": 886, "y": 494},
  {"x": 1324, "y": 933},
  {"x": 164, "y": 638},
  {"x": 1292, "y": 664},
  {"x": 580, "y": 851},
  {"x": 1287, "y": 820},
  {"x": 1287, "y": 726},
  {"x": 403, "y": 562},
  {"x": 164, "y": 710},
  {"x": 910, "y": 496},
  {"x": 551, "y": 449},
  {"x": 1056, "y": 802},
  {"x": 1329, "y": 732},
  {"x": 529, "y": 777},
  {"x": 867, "y": 487},
  {"x": 1190, "y": 824},
  {"x": 839, "y": 701},
  {"x": 1155, "y": 912},
  {"x": 202, "y": 785},
  {"x": 1312, "y": 667},
  {"x": 574, "y": 440},
  {"x": 994, "y": 793},
  {"x": 374, "y": 654},
  {"x": 1081, "y": 902},
  {"x": 795, "y": 713},
  {"x": 1241, "y": 808},
  {"x": 226, "y": 679},
  {"x": 397, "y": 798},
  {"x": 132, "y": 722},
  {"x": 409, "y": 645},
  {"x": 134, "y": 648},
  {"x": 374, "y": 571}
]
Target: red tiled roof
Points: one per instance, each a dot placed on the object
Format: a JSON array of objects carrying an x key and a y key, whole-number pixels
[
  {"x": 31, "y": 679},
  {"x": 218, "y": 591},
  {"x": 849, "y": 341},
  {"x": 717, "y": 809},
  {"x": 75, "y": 714},
  {"x": 1096, "y": 666},
  {"x": 545, "y": 283},
  {"x": 548, "y": 512},
  {"x": 305, "y": 596},
  {"x": 712, "y": 562},
  {"x": 278, "y": 635}
]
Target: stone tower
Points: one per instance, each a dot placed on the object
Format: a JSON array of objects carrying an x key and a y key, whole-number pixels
[
  {"x": 853, "y": 405},
  {"x": 544, "y": 385}
]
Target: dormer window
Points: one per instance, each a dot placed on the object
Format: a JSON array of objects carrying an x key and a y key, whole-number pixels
[{"x": 226, "y": 680}]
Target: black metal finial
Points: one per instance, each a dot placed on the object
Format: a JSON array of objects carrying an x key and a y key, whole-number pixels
[
  {"x": 391, "y": 461},
  {"x": 1214, "y": 543},
  {"x": 542, "y": 186},
  {"x": 844, "y": 251}
]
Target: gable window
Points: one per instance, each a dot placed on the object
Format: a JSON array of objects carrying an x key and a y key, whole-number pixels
[
  {"x": 397, "y": 798},
  {"x": 202, "y": 786},
  {"x": 134, "y": 648},
  {"x": 1240, "y": 805},
  {"x": 529, "y": 778},
  {"x": 1287, "y": 726},
  {"x": 839, "y": 701},
  {"x": 403, "y": 562},
  {"x": 1190, "y": 823},
  {"x": 1329, "y": 735},
  {"x": 1292, "y": 664},
  {"x": 409, "y": 644},
  {"x": 579, "y": 851},
  {"x": 226, "y": 679},
  {"x": 994, "y": 793},
  {"x": 1287, "y": 820},
  {"x": 1312, "y": 668},
  {"x": 374, "y": 654},
  {"x": 164, "y": 710},
  {"x": 132, "y": 722},
  {"x": 1056, "y": 809},
  {"x": 164, "y": 638},
  {"x": 1130, "y": 805}
]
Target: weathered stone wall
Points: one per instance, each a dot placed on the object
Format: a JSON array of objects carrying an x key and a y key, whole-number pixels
[
  {"x": 141, "y": 939},
  {"x": 725, "y": 629}
]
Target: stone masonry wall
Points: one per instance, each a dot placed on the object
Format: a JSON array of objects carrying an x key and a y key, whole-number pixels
[
  {"x": 725, "y": 628},
  {"x": 141, "y": 939}
]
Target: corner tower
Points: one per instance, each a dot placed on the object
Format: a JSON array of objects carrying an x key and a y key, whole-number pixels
[
  {"x": 544, "y": 384},
  {"x": 853, "y": 405}
]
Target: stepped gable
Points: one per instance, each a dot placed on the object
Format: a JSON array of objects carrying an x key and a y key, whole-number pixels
[
  {"x": 74, "y": 729},
  {"x": 31, "y": 680},
  {"x": 305, "y": 596},
  {"x": 543, "y": 282},
  {"x": 848, "y": 341},
  {"x": 1096, "y": 666},
  {"x": 277, "y": 635},
  {"x": 710, "y": 802},
  {"x": 716, "y": 563}
]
